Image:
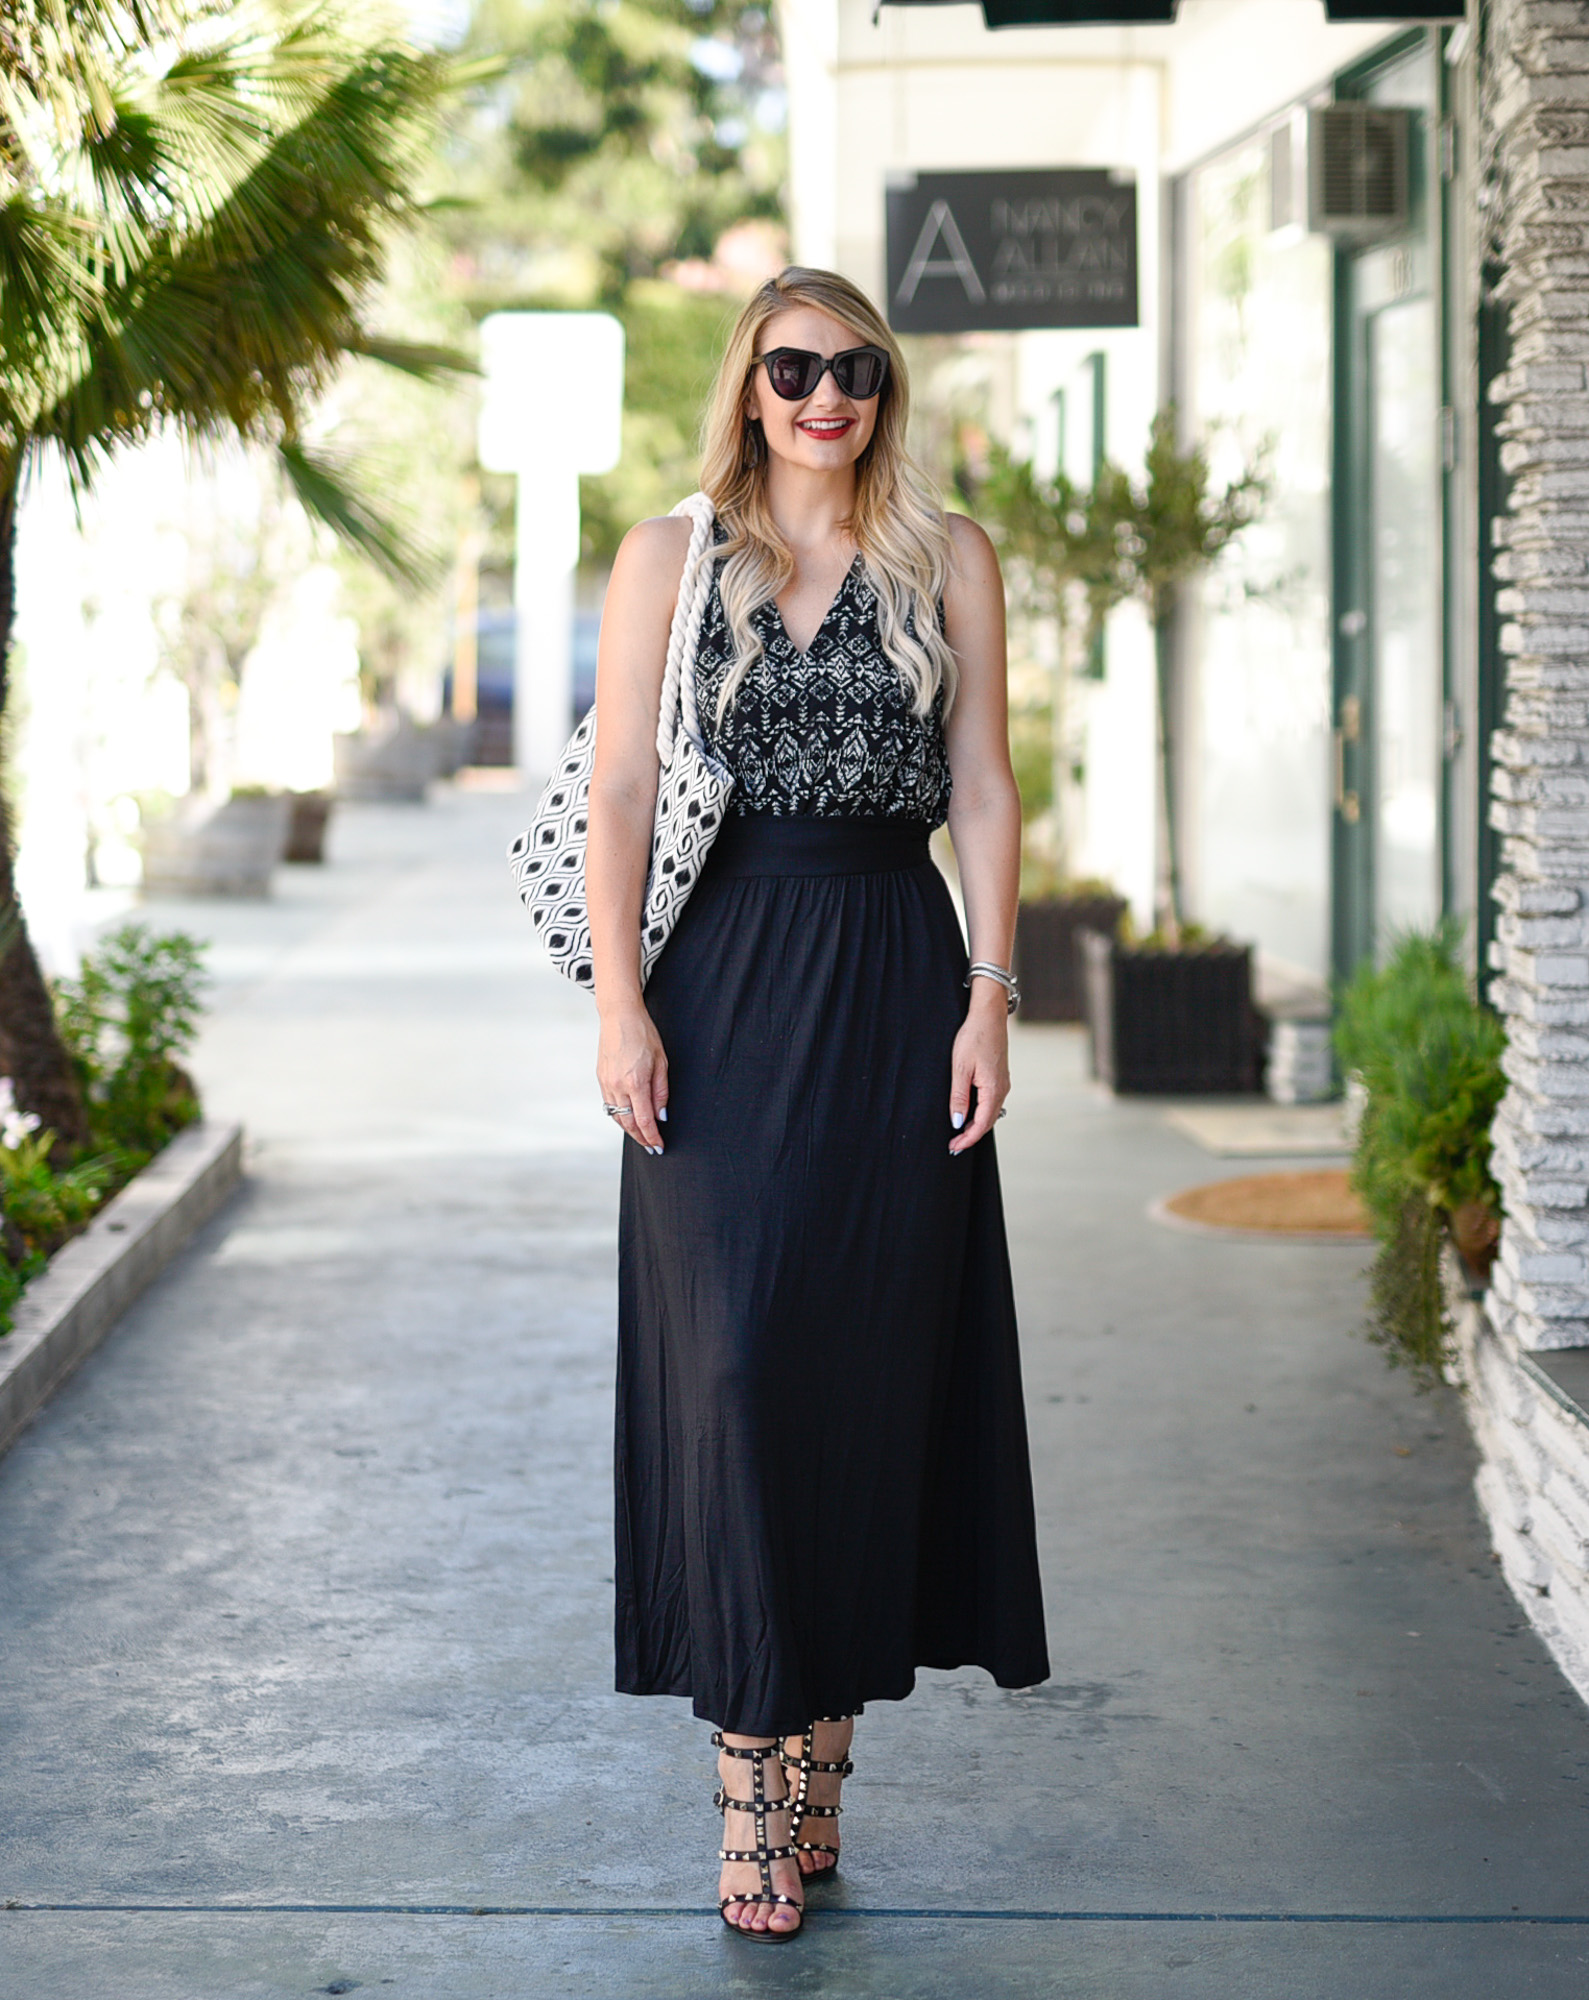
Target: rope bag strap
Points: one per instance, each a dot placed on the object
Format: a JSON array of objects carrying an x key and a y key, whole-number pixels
[{"x": 677, "y": 707}]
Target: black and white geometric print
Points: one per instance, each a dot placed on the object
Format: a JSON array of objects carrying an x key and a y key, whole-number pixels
[
  {"x": 828, "y": 733},
  {"x": 548, "y": 859},
  {"x": 691, "y": 800}
]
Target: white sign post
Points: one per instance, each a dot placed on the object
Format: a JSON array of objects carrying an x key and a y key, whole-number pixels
[{"x": 552, "y": 409}]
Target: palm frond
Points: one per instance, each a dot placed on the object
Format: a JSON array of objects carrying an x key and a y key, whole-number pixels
[
  {"x": 45, "y": 287},
  {"x": 409, "y": 357},
  {"x": 240, "y": 321},
  {"x": 332, "y": 491},
  {"x": 208, "y": 120},
  {"x": 210, "y": 243}
]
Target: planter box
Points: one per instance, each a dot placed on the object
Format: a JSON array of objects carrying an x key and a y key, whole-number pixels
[
  {"x": 71, "y": 1305},
  {"x": 1171, "y": 1023},
  {"x": 454, "y": 744},
  {"x": 396, "y": 760},
  {"x": 216, "y": 850},
  {"x": 1048, "y": 960},
  {"x": 306, "y": 826}
]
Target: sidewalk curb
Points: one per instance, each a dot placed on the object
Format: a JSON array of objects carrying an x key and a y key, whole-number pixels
[{"x": 70, "y": 1307}]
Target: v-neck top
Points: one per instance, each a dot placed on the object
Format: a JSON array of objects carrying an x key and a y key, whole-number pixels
[{"x": 828, "y": 733}]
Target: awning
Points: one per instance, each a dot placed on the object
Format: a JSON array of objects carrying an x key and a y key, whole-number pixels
[{"x": 1116, "y": 13}]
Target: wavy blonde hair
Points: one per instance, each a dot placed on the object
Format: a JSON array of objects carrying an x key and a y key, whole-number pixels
[{"x": 897, "y": 524}]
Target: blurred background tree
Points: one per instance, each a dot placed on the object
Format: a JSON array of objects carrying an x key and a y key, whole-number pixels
[
  {"x": 621, "y": 137},
  {"x": 234, "y": 571},
  {"x": 629, "y": 156}
]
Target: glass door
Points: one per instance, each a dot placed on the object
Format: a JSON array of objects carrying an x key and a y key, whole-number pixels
[
  {"x": 1404, "y": 599},
  {"x": 1389, "y": 542}
]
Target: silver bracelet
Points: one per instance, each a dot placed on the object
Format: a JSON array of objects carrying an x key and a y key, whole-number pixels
[{"x": 982, "y": 969}]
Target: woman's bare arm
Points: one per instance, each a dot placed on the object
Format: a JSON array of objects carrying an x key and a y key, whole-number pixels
[
  {"x": 631, "y": 1066},
  {"x": 984, "y": 819}
]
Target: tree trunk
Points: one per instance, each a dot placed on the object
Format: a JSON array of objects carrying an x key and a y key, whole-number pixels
[
  {"x": 1169, "y": 896},
  {"x": 31, "y": 1051},
  {"x": 1060, "y": 750}
]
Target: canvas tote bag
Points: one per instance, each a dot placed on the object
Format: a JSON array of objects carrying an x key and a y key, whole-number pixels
[{"x": 548, "y": 859}]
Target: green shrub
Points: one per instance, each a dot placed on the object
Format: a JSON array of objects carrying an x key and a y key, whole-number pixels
[
  {"x": 131, "y": 1012},
  {"x": 15, "y": 1274},
  {"x": 45, "y": 1207},
  {"x": 1428, "y": 1056},
  {"x": 39, "y": 1208}
]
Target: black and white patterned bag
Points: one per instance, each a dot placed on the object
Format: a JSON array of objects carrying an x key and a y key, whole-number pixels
[{"x": 548, "y": 861}]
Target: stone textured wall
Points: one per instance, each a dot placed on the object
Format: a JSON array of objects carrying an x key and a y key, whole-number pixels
[
  {"x": 1533, "y": 1483},
  {"x": 1533, "y": 196}
]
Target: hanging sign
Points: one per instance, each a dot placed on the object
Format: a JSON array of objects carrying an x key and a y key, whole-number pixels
[{"x": 1008, "y": 249}]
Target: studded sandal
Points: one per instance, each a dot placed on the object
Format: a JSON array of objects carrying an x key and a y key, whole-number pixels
[
  {"x": 799, "y": 1787},
  {"x": 758, "y": 1805}
]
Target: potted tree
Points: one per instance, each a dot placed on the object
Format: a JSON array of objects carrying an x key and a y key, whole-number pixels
[
  {"x": 206, "y": 847},
  {"x": 392, "y": 758},
  {"x": 222, "y": 839},
  {"x": 1172, "y": 1012},
  {"x": 306, "y": 826},
  {"x": 1053, "y": 560}
]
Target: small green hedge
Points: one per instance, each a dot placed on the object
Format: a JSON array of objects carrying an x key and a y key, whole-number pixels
[
  {"x": 131, "y": 1012},
  {"x": 1429, "y": 1059}
]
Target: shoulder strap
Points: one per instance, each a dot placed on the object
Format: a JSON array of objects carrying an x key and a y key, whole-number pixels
[{"x": 677, "y": 707}]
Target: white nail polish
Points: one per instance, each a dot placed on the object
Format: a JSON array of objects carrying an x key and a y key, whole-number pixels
[
  {"x": 957, "y": 1119},
  {"x": 663, "y": 1114}
]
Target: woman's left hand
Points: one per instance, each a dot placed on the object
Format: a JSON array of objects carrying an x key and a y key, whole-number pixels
[{"x": 981, "y": 1062}]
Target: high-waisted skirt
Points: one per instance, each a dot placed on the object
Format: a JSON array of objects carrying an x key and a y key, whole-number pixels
[{"x": 822, "y": 1472}]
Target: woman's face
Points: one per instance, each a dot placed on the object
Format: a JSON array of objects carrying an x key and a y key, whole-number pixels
[{"x": 825, "y": 431}]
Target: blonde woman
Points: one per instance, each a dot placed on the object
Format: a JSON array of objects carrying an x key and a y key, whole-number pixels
[{"x": 822, "y": 1476}]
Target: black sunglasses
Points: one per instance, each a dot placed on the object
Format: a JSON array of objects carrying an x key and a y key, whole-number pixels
[{"x": 794, "y": 372}]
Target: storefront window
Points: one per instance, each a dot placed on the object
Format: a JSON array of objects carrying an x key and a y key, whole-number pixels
[{"x": 1255, "y": 375}]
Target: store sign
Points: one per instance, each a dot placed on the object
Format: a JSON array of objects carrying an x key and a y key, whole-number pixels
[{"x": 1000, "y": 251}]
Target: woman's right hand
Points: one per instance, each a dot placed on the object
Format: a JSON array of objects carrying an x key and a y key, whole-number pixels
[{"x": 632, "y": 1069}]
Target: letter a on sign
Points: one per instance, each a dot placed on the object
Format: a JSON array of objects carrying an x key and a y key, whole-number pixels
[{"x": 940, "y": 225}]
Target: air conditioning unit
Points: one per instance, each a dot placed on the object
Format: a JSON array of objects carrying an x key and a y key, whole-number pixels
[{"x": 1357, "y": 170}]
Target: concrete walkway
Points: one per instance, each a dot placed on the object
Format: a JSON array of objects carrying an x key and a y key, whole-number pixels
[{"x": 304, "y": 1658}]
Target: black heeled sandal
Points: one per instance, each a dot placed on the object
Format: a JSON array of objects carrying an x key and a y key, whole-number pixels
[
  {"x": 758, "y": 1805},
  {"x": 800, "y": 1809}
]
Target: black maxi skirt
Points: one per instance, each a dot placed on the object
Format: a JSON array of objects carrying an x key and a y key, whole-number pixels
[{"x": 822, "y": 1472}]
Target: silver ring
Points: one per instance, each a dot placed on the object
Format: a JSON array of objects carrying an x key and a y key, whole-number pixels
[
  {"x": 617, "y": 1110},
  {"x": 1001, "y": 1110}
]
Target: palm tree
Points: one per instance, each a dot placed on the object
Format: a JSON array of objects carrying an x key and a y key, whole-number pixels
[{"x": 194, "y": 200}]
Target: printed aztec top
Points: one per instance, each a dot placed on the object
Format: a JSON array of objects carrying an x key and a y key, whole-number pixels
[{"x": 828, "y": 733}]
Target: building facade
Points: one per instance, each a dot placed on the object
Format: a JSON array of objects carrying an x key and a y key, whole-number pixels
[{"x": 1328, "y": 675}]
